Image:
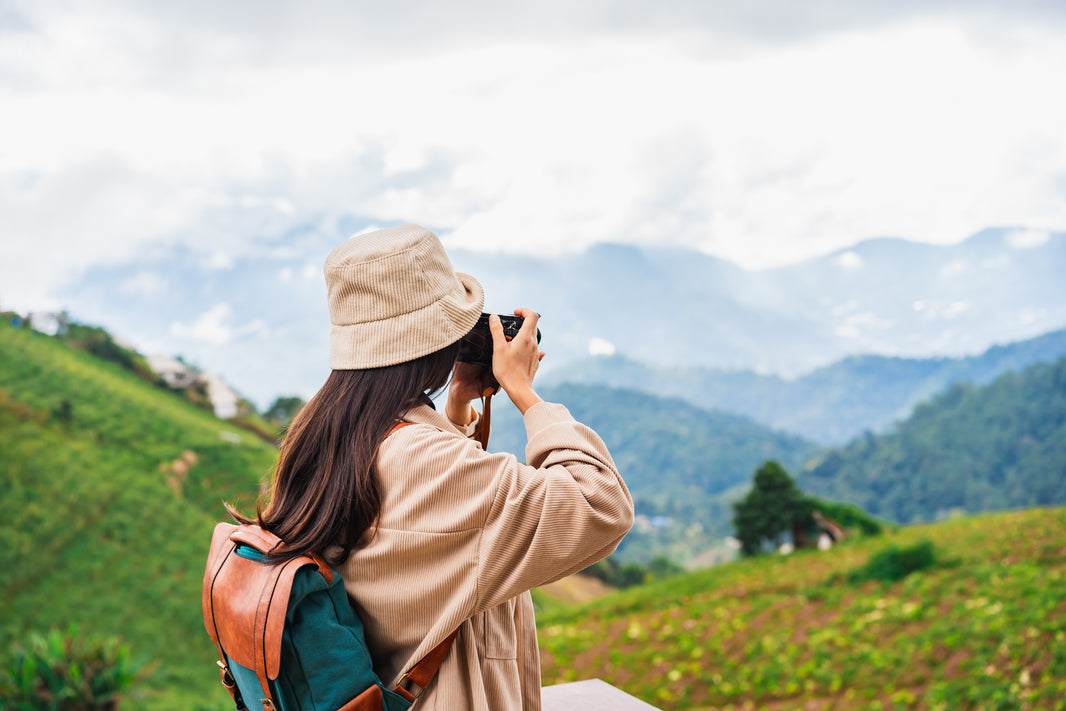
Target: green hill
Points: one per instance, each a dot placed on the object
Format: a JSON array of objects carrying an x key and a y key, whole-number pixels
[
  {"x": 983, "y": 628},
  {"x": 971, "y": 449},
  {"x": 109, "y": 489},
  {"x": 683, "y": 464}
]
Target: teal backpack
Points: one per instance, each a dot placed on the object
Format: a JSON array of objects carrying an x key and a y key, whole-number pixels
[{"x": 287, "y": 636}]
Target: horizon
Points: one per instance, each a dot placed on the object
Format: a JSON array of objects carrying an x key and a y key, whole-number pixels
[{"x": 266, "y": 332}]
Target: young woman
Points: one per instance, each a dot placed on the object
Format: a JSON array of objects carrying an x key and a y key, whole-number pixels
[{"x": 431, "y": 533}]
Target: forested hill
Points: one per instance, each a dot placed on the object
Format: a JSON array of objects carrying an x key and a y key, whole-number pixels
[
  {"x": 994, "y": 447},
  {"x": 830, "y": 405},
  {"x": 677, "y": 459}
]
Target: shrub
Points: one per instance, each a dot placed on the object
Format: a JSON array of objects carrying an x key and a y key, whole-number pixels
[
  {"x": 68, "y": 672},
  {"x": 896, "y": 562}
]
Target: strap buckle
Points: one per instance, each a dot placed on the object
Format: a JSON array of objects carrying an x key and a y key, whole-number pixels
[
  {"x": 402, "y": 684},
  {"x": 227, "y": 678}
]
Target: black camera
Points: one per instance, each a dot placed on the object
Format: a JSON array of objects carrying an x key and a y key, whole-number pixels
[{"x": 476, "y": 346}]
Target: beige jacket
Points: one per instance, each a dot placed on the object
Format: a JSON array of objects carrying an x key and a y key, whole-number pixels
[{"x": 462, "y": 537}]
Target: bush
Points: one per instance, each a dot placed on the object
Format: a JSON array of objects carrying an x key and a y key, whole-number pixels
[
  {"x": 68, "y": 672},
  {"x": 896, "y": 562}
]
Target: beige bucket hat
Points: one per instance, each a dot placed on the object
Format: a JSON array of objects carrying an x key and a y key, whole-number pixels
[{"x": 393, "y": 297}]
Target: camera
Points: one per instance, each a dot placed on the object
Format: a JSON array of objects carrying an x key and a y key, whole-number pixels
[{"x": 476, "y": 346}]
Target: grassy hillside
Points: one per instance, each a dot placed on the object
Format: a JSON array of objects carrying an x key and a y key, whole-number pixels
[
  {"x": 999, "y": 446},
  {"x": 109, "y": 489},
  {"x": 981, "y": 629}
]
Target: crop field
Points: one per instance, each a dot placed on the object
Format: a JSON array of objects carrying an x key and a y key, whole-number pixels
[{"x": 983, "y": 628}]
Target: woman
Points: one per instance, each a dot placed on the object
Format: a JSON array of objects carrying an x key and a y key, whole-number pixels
[{"x": 431, "y": 533}]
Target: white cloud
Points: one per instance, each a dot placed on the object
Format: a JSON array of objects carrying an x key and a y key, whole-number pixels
[
  {"x": 848, "y": 260},
  {"x": 219, "y": 260},
  {"x": 143, "y": 283},
  {"x": 214, "y": 327},
  {"x": 211, "y": 327},
  {"x": 855, "y": 325},
  {"x": 955, "y": 309},
  {"x": 1031, "y": 316},
  {"x": 1026, "y": 239},
  {"x": 703, "y": 124},
  {"x": 601, "y": 347},
  {"x": 945, "y": 311},
  {"x": 955, "y": 268}
]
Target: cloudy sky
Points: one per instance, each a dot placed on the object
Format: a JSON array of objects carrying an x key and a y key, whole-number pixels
[{"x": 764, "y": 132}]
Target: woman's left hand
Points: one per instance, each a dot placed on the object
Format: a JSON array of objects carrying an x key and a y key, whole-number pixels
[{"x": 469, "y": 383}]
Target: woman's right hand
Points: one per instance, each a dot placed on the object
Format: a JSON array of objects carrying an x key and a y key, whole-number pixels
[{"x": 515, "y": 362}]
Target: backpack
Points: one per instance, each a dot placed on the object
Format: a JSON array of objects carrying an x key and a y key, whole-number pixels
[{"x": 287, "y": 636}]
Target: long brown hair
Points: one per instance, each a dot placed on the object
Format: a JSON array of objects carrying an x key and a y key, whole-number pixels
[{"x": 325, "y": 491}]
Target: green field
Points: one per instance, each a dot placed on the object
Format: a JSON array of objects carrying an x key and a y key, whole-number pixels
[{"x": 985, "y": 628}]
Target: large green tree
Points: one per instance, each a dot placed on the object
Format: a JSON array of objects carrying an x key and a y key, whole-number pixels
[{"x": 767, "y": 513}]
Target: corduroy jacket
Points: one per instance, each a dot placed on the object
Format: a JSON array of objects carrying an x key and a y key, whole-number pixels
[{"x": 462, "y": 537}]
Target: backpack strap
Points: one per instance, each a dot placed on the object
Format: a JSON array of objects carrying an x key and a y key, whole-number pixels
[{"x": 422, "y": 673}]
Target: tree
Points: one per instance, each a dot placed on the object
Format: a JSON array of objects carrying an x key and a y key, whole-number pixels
[
  {"x": 284, "y": 409},
  {"x": 769, "y": 510}
]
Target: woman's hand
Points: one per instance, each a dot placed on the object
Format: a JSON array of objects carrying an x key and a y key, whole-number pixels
[
  {"x": 469, "y": 383},
  {"x": 515, "y": 362}
]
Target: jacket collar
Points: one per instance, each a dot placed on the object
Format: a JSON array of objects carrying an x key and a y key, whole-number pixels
[{"x": 426, "y": 415}]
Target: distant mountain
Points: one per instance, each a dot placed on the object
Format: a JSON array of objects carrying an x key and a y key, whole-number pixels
[
  {"x": 830, "y": 405},
  {"x": 994, "y": 447},
  {"x": 677, "y": 307},
  {"x": 681, "y": 463},
  {"x": 259, "y": 319}
]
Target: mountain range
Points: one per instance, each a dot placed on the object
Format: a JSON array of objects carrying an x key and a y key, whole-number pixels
[
  {"x": 830, "y": 405},
  {"x": 259, "y": 320},
  {"x": 677, "y": 307}
]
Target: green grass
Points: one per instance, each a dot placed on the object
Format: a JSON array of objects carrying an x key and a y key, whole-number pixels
[
  {"x": 981, "y": 629},
  {"x": 99, "y": 527}
]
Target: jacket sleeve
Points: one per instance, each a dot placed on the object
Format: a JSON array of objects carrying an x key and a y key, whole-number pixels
[{"x": 566, "y": 509}]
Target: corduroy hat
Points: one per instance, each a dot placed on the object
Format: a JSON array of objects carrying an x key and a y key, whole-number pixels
[{"x": 393, "y": 297}]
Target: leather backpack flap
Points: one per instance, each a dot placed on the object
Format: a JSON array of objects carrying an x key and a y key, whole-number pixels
[{"x": 248, "y": 600}]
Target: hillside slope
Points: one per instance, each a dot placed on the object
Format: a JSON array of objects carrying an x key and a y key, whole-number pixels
[
  {"x": 972, "y": 449},
  {"x": 981, "y": 629},
  {"x": 110, "y": 488}
]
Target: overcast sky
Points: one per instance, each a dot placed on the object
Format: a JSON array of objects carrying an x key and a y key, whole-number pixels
[{"x": 762, "y": 132}]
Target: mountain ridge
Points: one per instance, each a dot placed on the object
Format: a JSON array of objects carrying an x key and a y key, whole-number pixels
[{"x": 829, "y": 405}]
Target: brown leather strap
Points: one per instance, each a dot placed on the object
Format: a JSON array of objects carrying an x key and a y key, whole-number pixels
[
  {"x": 485, "y": 426},
  {"x": 422, "y": 673}
]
